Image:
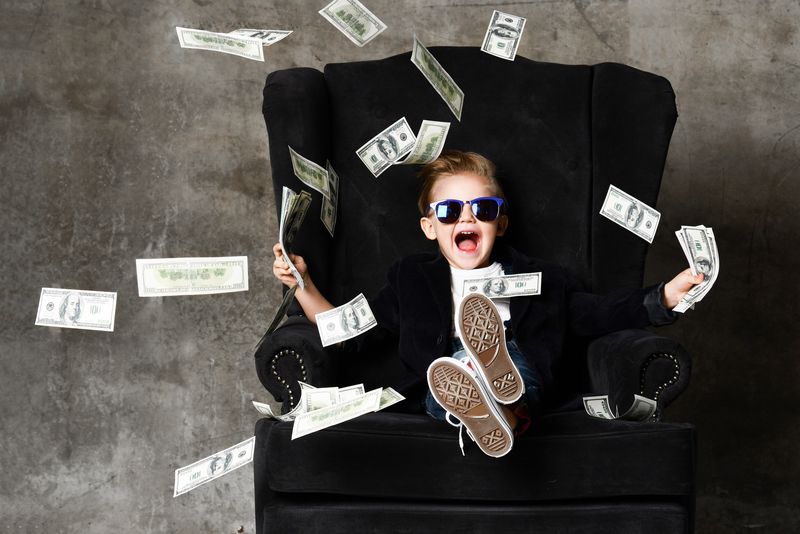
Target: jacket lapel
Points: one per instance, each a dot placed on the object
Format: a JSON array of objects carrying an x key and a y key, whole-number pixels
[
  {"x": 437, "y": 274},
  {"x": 519, "y": 305}
]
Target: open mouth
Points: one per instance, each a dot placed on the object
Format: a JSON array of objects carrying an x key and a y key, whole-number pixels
[{"x": 467, "y": 241}]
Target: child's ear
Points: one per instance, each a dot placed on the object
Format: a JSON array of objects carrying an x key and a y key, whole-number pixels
[
  {"x": 427, "y": 228},
  {"x": 502, "y": 225}
]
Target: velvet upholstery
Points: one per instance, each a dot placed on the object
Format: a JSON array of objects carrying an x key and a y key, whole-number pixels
[
  {"x": 559, "y": 134},
  {"x": 332, "y": 517},
  {"x": 562, "y": 457}
]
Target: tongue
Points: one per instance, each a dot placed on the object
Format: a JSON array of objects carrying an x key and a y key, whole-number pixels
[{"x": 467, "y": 244}]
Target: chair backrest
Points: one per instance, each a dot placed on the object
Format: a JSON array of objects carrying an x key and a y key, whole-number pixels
[{"x": 559, "y": 135}]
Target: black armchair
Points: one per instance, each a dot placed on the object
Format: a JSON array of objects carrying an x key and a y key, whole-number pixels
[{"x": 559, "y": 135}]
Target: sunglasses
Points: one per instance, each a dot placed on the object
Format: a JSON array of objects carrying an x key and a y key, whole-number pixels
[{"x": 485, "y": 209}]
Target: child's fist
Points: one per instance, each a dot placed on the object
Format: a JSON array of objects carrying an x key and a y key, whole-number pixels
[
  {"x": 281, "y": 269},
  {"x": 675, "y": 289}
]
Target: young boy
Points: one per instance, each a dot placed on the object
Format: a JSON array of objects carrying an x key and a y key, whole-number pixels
[{"x": 485, "y": 360}]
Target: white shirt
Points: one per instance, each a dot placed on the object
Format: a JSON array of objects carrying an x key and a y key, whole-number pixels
[{"x": 457, "y": 278}]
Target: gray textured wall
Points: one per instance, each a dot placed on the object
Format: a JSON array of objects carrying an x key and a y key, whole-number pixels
[{"x": 115, "y": 144}]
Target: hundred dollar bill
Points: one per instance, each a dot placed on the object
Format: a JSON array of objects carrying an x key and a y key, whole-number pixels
[
  {"x": 630, "y": 213},
  {"x": 246, "y": 47},
  {"x": 265, "y": 409},
  {"x": 219, "y": 464},
  {"x": 642, "y": 409},
  {"x": 318, "y": 398},
  {"x": 503, "y": 35},
  {"x": 386, "y": 148},
  {"x": 165, "y": 277},
  {"x": 349, "y": 392},
  {"x": 444, "y": 84},
  {"x": 354, "y": 20},
  {"x": 268, "y": 37},
  {"x": 388, "y": 397},
  {"x": 293, "y": 211},
  {"x": 310, "y": 173},
  {"x": 512, "y": 285},
  {"x": 330, "y": 206},
  {"x": 77, "y": 308},
  {"x": 699, "y": 246},
  {"x": 310, "y": 422},
  {"x": 301, "y": 407},
  {"x": 599, "y": 406},
  {"x": 429, "y": 143},
  {"x": 345, "y": 322}
]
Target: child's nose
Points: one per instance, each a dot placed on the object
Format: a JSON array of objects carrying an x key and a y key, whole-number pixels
[{"x": 466, "y": 213}]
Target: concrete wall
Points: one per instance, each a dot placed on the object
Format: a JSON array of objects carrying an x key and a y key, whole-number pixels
[{"x": 116, "y": 144}]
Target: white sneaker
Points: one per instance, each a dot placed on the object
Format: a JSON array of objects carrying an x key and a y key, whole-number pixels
[
  {"x": 482, "y": 333},
  {"x": 456, "y": 388}
]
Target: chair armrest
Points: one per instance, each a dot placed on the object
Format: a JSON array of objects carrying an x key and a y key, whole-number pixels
[
  {"x": 636, "y": 361},
  {"x": 292, "y": 352}
]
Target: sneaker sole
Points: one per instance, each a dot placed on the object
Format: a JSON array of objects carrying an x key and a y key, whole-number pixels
[
  {"x": 463, "y": 397},
  {"x": 484, "y": 339}
]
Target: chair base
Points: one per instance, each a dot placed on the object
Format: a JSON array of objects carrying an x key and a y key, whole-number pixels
[{"x": 335, "y": 516}]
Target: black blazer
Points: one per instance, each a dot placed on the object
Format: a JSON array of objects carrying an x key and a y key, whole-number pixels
[{"x": 416, "y": 307}]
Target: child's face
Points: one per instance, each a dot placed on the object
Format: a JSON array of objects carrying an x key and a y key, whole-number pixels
[{"x": 467, "y": 243}]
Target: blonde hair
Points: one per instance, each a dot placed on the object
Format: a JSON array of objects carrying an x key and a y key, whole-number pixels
[{"x": 454, "y": 162}]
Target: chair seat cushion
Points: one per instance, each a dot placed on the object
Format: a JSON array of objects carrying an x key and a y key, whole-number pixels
[{"x": 408, "y": 456}]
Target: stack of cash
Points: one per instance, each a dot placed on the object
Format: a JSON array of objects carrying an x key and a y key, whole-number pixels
[
  {"x": 324, "y": 180},
  {"x": 321, "y": 408},
  {"x": 293, "y": 211},
  {"x": 599, "y": 406},
  {"x": 330, "y": 204},
  {"x": 700, "y": 247}
]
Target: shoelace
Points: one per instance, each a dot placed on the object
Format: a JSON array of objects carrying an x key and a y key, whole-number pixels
[{"x": 460, "y": 427}]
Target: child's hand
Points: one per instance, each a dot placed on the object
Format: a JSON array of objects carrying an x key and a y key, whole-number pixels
[
  {"x": 281, "y": 269},
  {"x": 676, "y": 288}
]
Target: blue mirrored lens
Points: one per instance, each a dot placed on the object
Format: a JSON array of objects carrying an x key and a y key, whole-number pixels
[
  {"x": 448, "y": 211},
  {"x": 485, "y": 209}
]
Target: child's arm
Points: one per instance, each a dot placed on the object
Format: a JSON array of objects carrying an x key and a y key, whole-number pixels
[
  {"x": 676, "y": 288},
  {"x": 310, "y": 299}
]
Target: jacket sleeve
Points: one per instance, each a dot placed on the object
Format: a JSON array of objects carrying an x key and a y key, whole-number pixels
[
  {"x": 592, "y": 315},
  {"x": 385, "y": 305}
]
